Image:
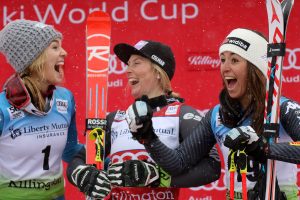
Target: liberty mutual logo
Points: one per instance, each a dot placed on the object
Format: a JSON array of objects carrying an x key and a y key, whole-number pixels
[{"x": 14, "y": 133}]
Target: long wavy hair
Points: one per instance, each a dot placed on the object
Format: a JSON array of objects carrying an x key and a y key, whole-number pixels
[
  {"x": 256, "y": 92},
  {"x": 37, "y": 67}
]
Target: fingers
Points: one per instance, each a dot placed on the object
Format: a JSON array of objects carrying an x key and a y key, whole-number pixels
[
  {"x": 115, "y": 174},
  {"x": 253, "y": 135},
  {"x": 102, "y": 186}
]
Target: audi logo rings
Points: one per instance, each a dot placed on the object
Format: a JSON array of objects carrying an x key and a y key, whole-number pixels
[{"x": 291, "y": 57}]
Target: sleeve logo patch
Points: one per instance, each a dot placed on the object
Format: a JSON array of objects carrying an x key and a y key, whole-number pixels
[{"x": 62, "y": 105}]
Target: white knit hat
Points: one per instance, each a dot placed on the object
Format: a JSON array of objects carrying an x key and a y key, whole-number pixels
[
  {"x": 22, "y": 41},
  {"x": 249, "y": 45}
]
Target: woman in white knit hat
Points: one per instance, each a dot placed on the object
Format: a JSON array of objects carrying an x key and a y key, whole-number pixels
[
  {"x": 238, "y": 120},
  {"x": 37, "y": 117}
]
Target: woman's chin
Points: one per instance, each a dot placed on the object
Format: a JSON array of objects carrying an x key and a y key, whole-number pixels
[
  {"x": 59, "y": 81},
  {"x": 135, "y": 95}
]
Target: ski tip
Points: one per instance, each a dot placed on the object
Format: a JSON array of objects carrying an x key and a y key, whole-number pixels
[{"x": 98, "y": 16}]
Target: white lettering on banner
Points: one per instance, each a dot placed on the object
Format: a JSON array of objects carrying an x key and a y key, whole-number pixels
[
  {"x": 8, "y": 17},
  {"x": 120, "y": 8},
  {"x": 204, "y": 60},
  {"x": 116, "y": 83},
  {"x": 184, "y": 8},
  {"x": 120, "y": 13},
  {"x": 291, "y": 79},
  {"x": 57, "y": 15},
  {"x": 52, "y": 11},
  {"x": 143, "y": 8},
  {"x": 81, "y": 19}
]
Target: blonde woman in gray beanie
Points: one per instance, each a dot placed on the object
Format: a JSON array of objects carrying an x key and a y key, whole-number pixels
[{"x": 37, "y": 117}]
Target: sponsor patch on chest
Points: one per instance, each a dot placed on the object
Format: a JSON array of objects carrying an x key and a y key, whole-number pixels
[
  {"x": 120, "y": 115},
  {"x": 15, "y": 113},
  {"x": 172, "y": 110}
]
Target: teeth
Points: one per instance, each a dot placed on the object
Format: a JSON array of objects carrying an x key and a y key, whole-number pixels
[
  {"x": 132, "y": 80},
  {"x": 229, "y": 78}
]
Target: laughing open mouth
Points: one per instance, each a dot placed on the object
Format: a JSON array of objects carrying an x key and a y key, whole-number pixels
[
  {"x": 133, "y": 82},
  {"x": 231, "y": 81},
  {"x": 56, "y": 68}
]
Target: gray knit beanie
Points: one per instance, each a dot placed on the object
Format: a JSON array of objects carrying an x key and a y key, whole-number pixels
[{"x": 22, "y": 41}]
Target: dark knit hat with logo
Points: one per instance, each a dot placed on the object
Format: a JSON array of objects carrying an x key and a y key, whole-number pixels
[
  {"x": 157, "y": 52},
  {"x": 22, "y": 41}
]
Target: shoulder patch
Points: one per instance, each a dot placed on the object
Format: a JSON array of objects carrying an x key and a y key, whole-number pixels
[
  {"x": 62, "y": 105},
  {"x": 192, "y": 116}
]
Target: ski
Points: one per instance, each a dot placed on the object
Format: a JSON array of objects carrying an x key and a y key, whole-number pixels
[
  {"x": 98, "y": 31},
  {"x": 278, "y": 14}
]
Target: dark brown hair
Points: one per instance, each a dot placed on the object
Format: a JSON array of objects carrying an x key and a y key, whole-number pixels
[{"x": 256, "y": 86}]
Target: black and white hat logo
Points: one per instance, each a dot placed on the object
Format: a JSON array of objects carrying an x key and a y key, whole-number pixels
[{"x": 238, "y": 42}]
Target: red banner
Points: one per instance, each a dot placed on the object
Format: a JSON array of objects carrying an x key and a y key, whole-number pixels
[{"x": 194, "y": 29}]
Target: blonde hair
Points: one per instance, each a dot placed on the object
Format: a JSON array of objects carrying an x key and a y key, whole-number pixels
[
  {"x": 37, "y": 67},
  {"x": 165, "y": 82}
]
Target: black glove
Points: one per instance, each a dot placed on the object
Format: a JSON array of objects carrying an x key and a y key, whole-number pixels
[
  {"x": 93, "y": 182},
  {"x": 240, "y": 138},
  {"x": 133, "y": 173},
  {"x": 139, "y": 119}
]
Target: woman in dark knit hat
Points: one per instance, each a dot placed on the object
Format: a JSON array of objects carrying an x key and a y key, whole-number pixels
[
  {"x": 37, "y": 117},
  {"x": 151, "y": 66}
]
